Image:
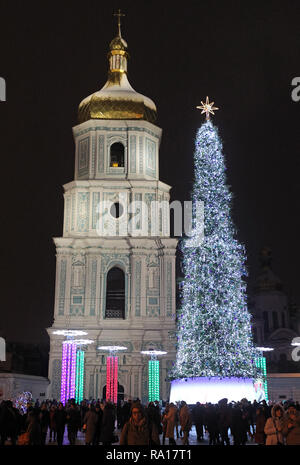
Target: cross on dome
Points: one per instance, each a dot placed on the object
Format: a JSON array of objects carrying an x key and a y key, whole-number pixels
[{"x": 119, "y": 14}]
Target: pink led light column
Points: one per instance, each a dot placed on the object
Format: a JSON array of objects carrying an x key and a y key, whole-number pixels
[
  {"x": 108, "y": 378},
  {"x": 112, "y": 372},
  {"x": 73, "y": 350},
  {"x": 112, "y": 378},
  {"x": 68, "y": 371},
  {"x": 115, "y": 380},
  {"x": 63, "y": 373}
]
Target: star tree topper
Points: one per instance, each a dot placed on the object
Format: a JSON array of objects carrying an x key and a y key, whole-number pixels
[{"x": 207, "y": 108}]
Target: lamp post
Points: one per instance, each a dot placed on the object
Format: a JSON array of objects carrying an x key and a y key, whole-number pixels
[
  {"x": 153, "y": 372},
  {"x": 261, "y": 363},
  {"x": 112, "y": 371}
]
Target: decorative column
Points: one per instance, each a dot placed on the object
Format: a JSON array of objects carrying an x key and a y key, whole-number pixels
[
  {"x": 153, "y": 371},
  {"x": 79, "y": 385},
  {"x": 68, "y": 369},
  {"x": 261, "y": 363},
  {"x": 112, "y": 372}
]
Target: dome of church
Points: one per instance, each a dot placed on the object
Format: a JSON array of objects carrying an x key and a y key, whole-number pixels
[{"x": 117, "y": 99}]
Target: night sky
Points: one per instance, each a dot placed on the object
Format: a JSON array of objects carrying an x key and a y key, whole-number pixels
[{"x": 243, "y": 55}]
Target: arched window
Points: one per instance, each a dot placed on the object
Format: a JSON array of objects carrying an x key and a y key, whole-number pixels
[
  {"x": 115, "y": 294},
  {"x": 117, "y": 155}
]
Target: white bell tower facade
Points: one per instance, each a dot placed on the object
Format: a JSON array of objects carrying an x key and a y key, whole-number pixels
[{"x": 115, "y": 275}]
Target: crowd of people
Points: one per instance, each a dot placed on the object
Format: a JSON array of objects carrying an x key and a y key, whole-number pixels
[{"x": 223, "y": 423}]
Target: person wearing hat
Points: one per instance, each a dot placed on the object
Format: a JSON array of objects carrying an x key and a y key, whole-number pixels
[
  {"x": 291, "y": 426},
  {"x": 274, "y": 425}
]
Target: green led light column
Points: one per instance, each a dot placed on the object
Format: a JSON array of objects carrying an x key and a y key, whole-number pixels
[
  {"x": 153, "y": 372},
  {"x": 153, "y": 380},
  {"x": 261, "y": 363},
  {"x": 79, "y": 384}
]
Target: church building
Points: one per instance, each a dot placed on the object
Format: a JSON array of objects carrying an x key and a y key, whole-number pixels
[{"x": 115, "y": 269}]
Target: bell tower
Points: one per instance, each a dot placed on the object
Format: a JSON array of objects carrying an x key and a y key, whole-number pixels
[{"x": 115, "y": 275}]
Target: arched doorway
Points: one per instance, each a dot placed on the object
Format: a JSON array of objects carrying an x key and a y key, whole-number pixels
[{"x": 120, "y": 393}]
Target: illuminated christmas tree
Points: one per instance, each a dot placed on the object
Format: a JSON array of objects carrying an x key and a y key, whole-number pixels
[{"x": 214, "y": 330}]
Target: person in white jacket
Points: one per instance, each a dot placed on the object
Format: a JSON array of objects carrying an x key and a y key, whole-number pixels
[{"x": 274, "y": 425}]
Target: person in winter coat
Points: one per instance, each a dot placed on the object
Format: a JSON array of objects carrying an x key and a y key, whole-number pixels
[
  {"x": 60, "y": 418},
  {"x": 154, "y": 423},
  {"x": 108, "y": 425},
  {"x": 291, "y": 426},
  {"x": 179, "y": 433},
  {"x": 52, "y": 424},
  {"x": 73, "y": 422},
  {"x": 135, "y": 431},
  {"x": 259, "y": 435},
  {"x": 198, "y": 418},
  {"x": 224, "y": 421},
  {"x": 211, "y": 423},
  {"x": 83, "y": 410},
  {"x": 10, "y": 422},
  {"x": 44, "y": 422},
  {"x": 274, "y": 425},
  {"x": 171, "y": 421},
  {"x": 90, "y": 421},
  {"x": 125, "y": 412},
  {"x": 239, "y": 425},
  {"x": 185, "y": 420},
  {"x": 164, "y": 422},
  {"x": 34, "y": 428},
  {"x": 97, "y": 434}
]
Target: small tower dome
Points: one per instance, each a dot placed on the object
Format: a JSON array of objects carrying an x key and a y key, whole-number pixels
[{"x": 117, "y": 99}]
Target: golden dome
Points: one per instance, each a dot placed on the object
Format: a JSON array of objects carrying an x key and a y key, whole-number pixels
[
  {"x": 118, "y": 43},
  {"x": 117, "y": 99}
]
